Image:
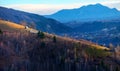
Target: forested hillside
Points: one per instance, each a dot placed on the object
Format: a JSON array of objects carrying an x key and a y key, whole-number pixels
[{"x": 23, "y": 50}]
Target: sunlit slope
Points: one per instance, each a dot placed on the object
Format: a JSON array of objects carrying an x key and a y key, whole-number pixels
[{"x": 10, "y": 26}]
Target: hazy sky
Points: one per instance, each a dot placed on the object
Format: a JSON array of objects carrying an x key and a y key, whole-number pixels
[{"x": 51, "y": 6}]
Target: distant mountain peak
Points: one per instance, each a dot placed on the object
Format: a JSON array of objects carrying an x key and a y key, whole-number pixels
[
  {"x": 98, "y": 4},
  {"x": 92, "y": 12}
]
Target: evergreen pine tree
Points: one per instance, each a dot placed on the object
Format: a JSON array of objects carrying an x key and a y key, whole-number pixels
[
  {"x": 54, "y": 39},
  {"x": 1, "y": 31},
  {"x": 41, "y": 34}
]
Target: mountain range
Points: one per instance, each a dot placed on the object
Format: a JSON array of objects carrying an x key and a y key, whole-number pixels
[
  {"x": 96, "y": 12},
  {"x": 40, "y": 22}
]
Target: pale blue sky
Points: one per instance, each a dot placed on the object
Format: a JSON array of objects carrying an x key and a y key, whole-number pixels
[
  {"x": 8, "y": 2},
  {"x": 52, "y": 6}
]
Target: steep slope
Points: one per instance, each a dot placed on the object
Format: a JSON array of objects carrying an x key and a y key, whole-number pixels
[
  {"x": 40, "y": 22},
  {"x": 87, "y": 13},
  {"x": 28, "y": 52}
]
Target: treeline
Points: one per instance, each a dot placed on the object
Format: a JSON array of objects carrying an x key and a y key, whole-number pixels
[{"x": 24, "y": 51}]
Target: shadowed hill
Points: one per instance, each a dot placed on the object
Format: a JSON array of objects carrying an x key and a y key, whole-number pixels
[{"x": 39, "y": 22}]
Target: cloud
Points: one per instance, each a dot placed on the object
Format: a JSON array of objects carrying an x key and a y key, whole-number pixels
[{"x": 45, "y": 9}]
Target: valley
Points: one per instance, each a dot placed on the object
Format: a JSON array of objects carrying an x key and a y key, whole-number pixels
[{"x": 108, "y": 32}]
